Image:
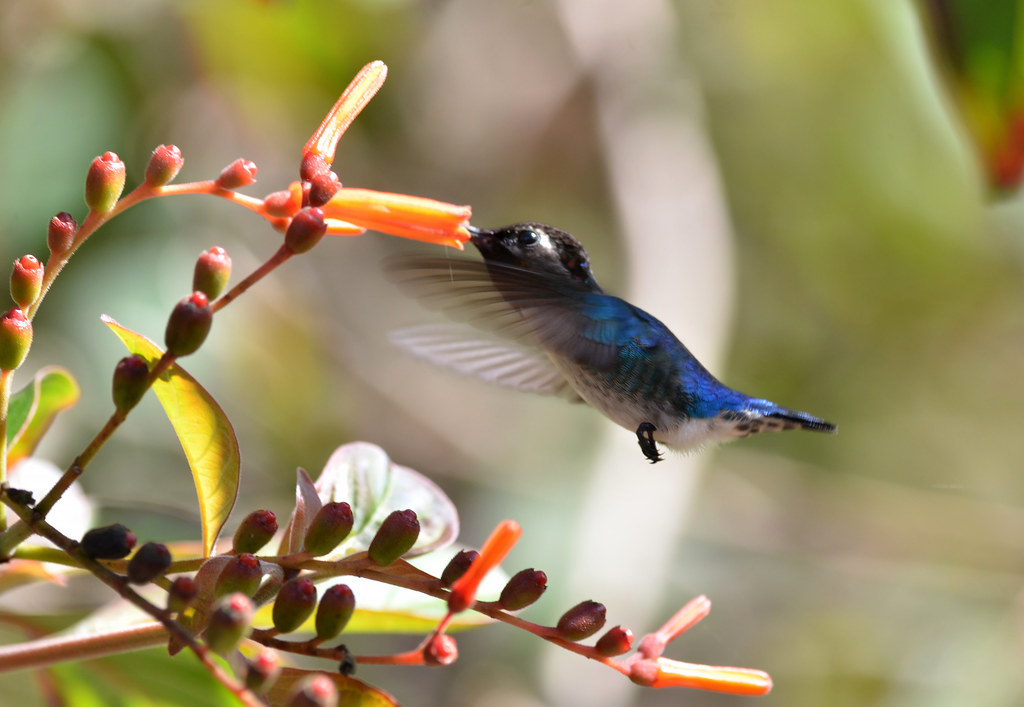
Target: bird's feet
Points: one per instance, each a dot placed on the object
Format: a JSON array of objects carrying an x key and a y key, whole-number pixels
[{"x": 645, "y": 436}]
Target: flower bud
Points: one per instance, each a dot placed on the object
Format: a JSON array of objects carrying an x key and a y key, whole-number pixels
[
  {"x": 442, "y": 650},
  {"x": 395, "y": 537},
  {"x": 61, "y": 233},
  {"x": 15, "y": 339},
  {"x": 322, "y": 187},
  {"x": 111, "y": 542},
  {"x": 314, "y": 691},
  {"x": 262, "y": 671},
  {"x": 229, "y": 622},
  {"x": 241, "y": 574},
  {"x": 26, "y": 280},
  {"x": 334, "y": 612},
  {"x": 151, "y": 561},
  {"x": 188, "y": 324},
  {"x": 457, "y": 566},
  {"x": 255, "y": 531},
  {"x": 212, "y": 272},
  {"x": 295, "y": 603},
  {"x": 331, "y": 524},
  {"x": 130, "y": 377},
  {"x": 283, "y": 204},
  {"x": 523, "y": 589},
  {"x": 182, "y": 592},
  {"x": 164, "y": 165},
  {"x": 305, "y": 230},
  {"x": 582, "y": 621},
  {"x": 240, "y": 173},
  {"x": 104, "y": 183},
  {"x": 615, "y": 641},
  {"x": 312, "y": 166}
]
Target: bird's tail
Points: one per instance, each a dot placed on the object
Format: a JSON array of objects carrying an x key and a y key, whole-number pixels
[{"x": 794, "y": 418}]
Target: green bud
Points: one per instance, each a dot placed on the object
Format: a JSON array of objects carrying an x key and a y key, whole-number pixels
[
  {"x": 229, "y": 622},
  {"x": 164, "y": 165},
  {"x": 241, "y": 574},
  {"x": 104, "y": 183},
  {"x": 255, "y": 531},
  {"x": 262, "y": 671},
  {"x": 314, "y": 691},
  {"x": 181, "y": 594},
  {"x": 331, "y": 524},
  {"x": 26, "y": 280},
  {"x": 149, "y": 562},
  {"x": 188, "y": 324},
  {"x": 212, "y": 272},
  {"x": 395, "y": 537},
  {"x": 130, "y": 377},
  {"x": 295, "y": 603},
  {"x": 15, "y": 339},
  {"x": 334, "y": 612}
]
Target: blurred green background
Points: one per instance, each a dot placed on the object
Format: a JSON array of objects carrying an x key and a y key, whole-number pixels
[{"x": 787, "y": 184}]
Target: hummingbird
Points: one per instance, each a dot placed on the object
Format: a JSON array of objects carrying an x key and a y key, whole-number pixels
[{"x": 558, "y": 333}]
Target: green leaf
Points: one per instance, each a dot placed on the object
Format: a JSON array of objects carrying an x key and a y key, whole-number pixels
[
  {"x": 202, "y": 428},
  {"x": 351, "y": 692},
  {"x": 32, "y": 410}
]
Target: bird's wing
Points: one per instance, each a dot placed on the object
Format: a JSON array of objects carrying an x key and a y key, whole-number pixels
[
  {"x": 496, "y": 361},
  {"x": 539, "y": 310}
]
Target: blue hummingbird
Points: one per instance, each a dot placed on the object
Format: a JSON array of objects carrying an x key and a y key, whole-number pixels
[{"x": 560, "y": 334}]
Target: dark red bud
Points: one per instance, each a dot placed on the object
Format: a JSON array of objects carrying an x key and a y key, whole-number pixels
[
  {"x": 582, "y": 621},
  {"x": 295, "y": 603},
  {"x": 312, "y": 165},
  {"x": 322, "y": 187},
  {"x": 15, "y": 339},
  {"x": 395, "y": 537},
  {"x": 151, "y": 561},
  {"x": 104, "y": 183},
  {"x": 615, "y": 641},
  {"x": 229, "y": 622},
  {"x": 111, "y": 542},
  {"x": 255, "y": 531},
  {"x": 262, "y": 671},
  {"x": 305, "y": 230},
  {"x": 164, "y": 165},
  {"x": 61, "y": 233},
  {"x": 457, "y": 566},
  {"x": 26, "y": 280},
  {"x": 283, "y": 204},
  {"x": 212, "y": 272},
  {"x": 241, "y": 574},
  {"x": 314, "y": 691},
  {"x": 334, "y": 612},
  {"x": 331, "y": 524},
  {"x": 523, "y": 589},
  {"x": 188, "y": 324},
  {"x": 181, "y": 594},
  {"x": 130, "y": 377},
  {"x": 442, "y": 650},
  {"x": 240, "y": 173}
]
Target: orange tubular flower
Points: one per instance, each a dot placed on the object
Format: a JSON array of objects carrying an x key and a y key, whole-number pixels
[
  {"x": 497, "y": 546},
  {"x": 734, "y": 681}
]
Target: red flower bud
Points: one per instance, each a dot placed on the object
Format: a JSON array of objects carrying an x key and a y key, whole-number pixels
[
  {"x": 442, "y": 650},
  {"x": 314, "y": 691},
  {"x": 111, "y": 542},
  {"x": 312, "y": 166},
  {"x": 295, "y": 603},
  {"x": 582, "y": 621},
  {"x": 26, "y": 280},
  {"x": 188, "y": 324},
  {"x": 104, "y": 183},
  {"x": 240, "y": 173},
  {"x": 334, "y": 612},
  {"x": 615, "y": 641},
  {"x": 523, "y": 589},
  {"x": 305, "y": 230},
  {"x": 212, "y": 272},
  {"x": 241, "y": 574},
  {"x": 151, "y": 561},
  {"x": 457, "y": 566},
  {"x": 61, "y": 233},
  {"x": 130, "y": 377},
  {"x": 15, "y": 339},
  {"x": 255, "y": 531},
  {"x": 182, "y": 592},
  {"x": 331, "y": 524},
  {"x": 229, "y": 622},
  {"x": 283, "y": 204},
  {"x": 395, "y": 537},
  {"x": 262, "y": 671},
  {"x": 164, "y": 165},
  {"x": 322, "y": 187}
]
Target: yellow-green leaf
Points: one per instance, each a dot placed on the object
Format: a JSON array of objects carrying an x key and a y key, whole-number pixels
[
  {"x": 202, "y": 428},
  {"x": 33, "y": 409}
]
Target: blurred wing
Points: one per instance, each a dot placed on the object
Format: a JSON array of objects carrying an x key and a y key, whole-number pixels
[
  {"x": 553, "y": 314},
  {"x": 497, "y": 362}
]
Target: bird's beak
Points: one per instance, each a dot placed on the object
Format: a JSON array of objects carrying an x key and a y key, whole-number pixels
[{"x": 480, "y": 237}]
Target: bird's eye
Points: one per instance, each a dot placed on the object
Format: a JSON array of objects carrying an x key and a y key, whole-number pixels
[{"x": 527, "y": 238}]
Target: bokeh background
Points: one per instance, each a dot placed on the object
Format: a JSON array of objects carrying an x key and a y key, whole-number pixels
[{"x": 787, "y": 184}]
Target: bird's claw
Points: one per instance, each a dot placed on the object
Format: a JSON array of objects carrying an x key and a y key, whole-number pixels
[{"x": 645, "y": 436}]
